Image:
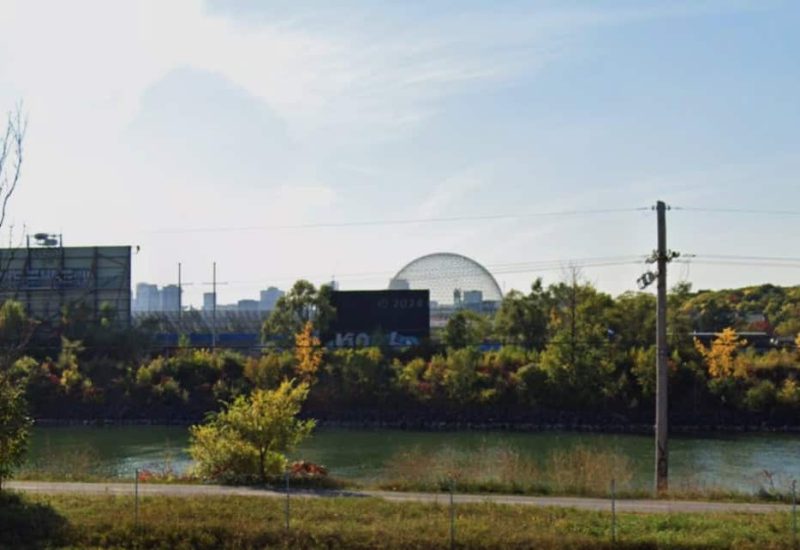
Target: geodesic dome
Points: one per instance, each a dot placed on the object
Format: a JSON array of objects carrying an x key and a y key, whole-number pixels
[{"x": 450, "y": 278}]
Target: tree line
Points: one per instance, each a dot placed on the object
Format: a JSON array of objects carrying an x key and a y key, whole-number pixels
[{"x": 557, "y": 354}]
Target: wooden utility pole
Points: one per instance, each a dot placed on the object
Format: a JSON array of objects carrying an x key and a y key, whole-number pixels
[
  {"x": 214, "y": 308},
  {"x": 662, "y": 378},
  {"x": 180, "y": 292}
]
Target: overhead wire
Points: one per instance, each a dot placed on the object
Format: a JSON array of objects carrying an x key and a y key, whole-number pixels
[
  {"x": 407, "y": 221},
  {"x": 736, "y": 210},
  {"x": 499, "y": 269}
]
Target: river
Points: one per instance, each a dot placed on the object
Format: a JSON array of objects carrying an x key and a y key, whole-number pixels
[{"x": 741, "y": 462}]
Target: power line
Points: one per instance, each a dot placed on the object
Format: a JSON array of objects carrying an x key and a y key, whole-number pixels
[
  {"x": 408, "y": 221},
  {"x": 737, "y": 211},
  {"x": 741, "y": 263},
  {"x": 737, "y": 260},
  {"x": 744, "y": 258},
  {"x": 495, "y": 269}
]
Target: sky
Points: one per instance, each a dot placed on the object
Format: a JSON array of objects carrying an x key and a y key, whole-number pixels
[{"x": 287, "y": 140}]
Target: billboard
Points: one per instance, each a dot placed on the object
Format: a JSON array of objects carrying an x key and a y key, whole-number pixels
[
  {"x": 396, "y": 317},
  {"x": 46, "y": 280}
]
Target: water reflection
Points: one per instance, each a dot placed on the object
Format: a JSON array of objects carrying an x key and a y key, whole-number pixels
[{"x": 733, "y": 462}]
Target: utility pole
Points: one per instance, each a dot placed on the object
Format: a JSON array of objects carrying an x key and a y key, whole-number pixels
[
  {"x": 214, "y": 308},
  {"x": 180, "y": 292},
  {"x": 661, "y": 257},
  {"x": 213, "y": 284},
  {"x": 662, "y": 378}
]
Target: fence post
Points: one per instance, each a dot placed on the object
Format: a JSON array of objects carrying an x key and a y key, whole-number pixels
[
  {"x": 286, "y": 479},
  {"x": 452, "y": 519},
  {"x": 136, "y": 497},
  {"x": 614, "y": 510},
  {"x": 794, "y": 513}
]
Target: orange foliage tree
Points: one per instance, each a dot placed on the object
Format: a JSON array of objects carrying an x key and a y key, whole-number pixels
[
  {"x": 308, "y": 353},
  {"x": 720, "y": 357}
]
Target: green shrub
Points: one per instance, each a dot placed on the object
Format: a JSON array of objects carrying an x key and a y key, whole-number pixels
[
  {"x": 761, "y": 397},
  {"x": 246, "y": 441}
]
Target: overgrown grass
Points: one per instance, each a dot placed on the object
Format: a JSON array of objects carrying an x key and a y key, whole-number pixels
[
  {"x": 251, "y": 522},
  {"x": 78, "y": 464},
  {"x": 579, "y": 471}
]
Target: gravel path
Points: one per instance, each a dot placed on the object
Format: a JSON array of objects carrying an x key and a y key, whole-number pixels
[{"x": 638, "y": 505}]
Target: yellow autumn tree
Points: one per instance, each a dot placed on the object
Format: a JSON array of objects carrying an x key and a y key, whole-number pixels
[
  {"x": 720, "y": 357},
  {"x": 308, "y": 353}
]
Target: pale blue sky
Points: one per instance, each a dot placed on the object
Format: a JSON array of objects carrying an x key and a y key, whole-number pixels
[{"x": 149, "y": 120}]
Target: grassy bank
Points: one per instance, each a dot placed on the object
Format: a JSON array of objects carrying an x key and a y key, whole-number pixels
[
  {"x": 580, "y": 471},
  {"x": 245, "y": 522}
]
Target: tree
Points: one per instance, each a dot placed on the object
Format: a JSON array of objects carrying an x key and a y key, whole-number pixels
[
  {"x": 15, "y": 332},
  {"x": 247, "y": 440},
  {"x": 720, "y": 357},
  {"x": 308, "y": 353},
  {"x": 302, "y": 304},
  {"x": 14, "y": 427},
  {"x": 578, "y": 358},
  {"x": 11, "y": 158},
  {"x": 14, "y": 421},
  {"x": 466, "y": 328},
  {"x": 522, "y": 319}
]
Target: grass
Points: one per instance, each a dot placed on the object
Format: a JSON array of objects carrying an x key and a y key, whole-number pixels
[
  {"x": 250, "y": 522},
  {"x": 579, "y": 471},
  {"x": 78, "y": 464}
]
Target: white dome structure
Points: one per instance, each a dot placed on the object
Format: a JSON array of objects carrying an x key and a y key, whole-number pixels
[{"x": 452, "y": 279}]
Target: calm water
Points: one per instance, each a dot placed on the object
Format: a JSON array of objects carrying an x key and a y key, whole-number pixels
[{"x": 726, "y": 461}]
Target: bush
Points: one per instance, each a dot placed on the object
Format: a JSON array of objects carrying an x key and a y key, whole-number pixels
[
  {"x": 760, "y": 397},
  {"x": 267, "y": 371},
  {"x": 14, "y": 426},
  {"x": 246, "y": 442},
  {"x": 789, "y": 394}
]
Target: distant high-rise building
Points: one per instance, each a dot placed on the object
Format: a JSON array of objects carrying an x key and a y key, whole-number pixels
[
  {"x": 472, "y": 297},
  {"x": 147, "y": 298},
  {"x": 399, "y": 284},
  {"x": 209, "y": 300},
  {"x": 248, "y": 305},
  {"x": 269, "y": 298},
  {"x": 171, "y": 298}
]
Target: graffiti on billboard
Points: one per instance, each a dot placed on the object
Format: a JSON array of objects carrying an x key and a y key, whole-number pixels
[{"x": 397, "y": 318}]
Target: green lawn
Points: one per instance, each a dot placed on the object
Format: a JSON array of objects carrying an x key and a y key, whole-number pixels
[{"x": 249, "y": 522}]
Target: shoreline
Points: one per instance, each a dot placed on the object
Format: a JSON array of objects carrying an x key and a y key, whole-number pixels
[{"x": 443, "y": 426}]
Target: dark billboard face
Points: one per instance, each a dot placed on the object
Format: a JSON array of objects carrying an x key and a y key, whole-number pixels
[{"x": 373, "y": 317}]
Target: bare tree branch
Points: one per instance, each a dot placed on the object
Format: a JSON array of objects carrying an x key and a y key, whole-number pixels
[{"x": 11, "y": 157}]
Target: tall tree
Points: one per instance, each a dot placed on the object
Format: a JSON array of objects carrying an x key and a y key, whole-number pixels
[
  {"x": 308, "y": 354},
  {"x": 11, "y": 158},
  {"x": 302, "y": 304},
  {"x": 14, "y": 421},
  {"x": 578, "y": 357},
  {"x": 522, "y": 318}
]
